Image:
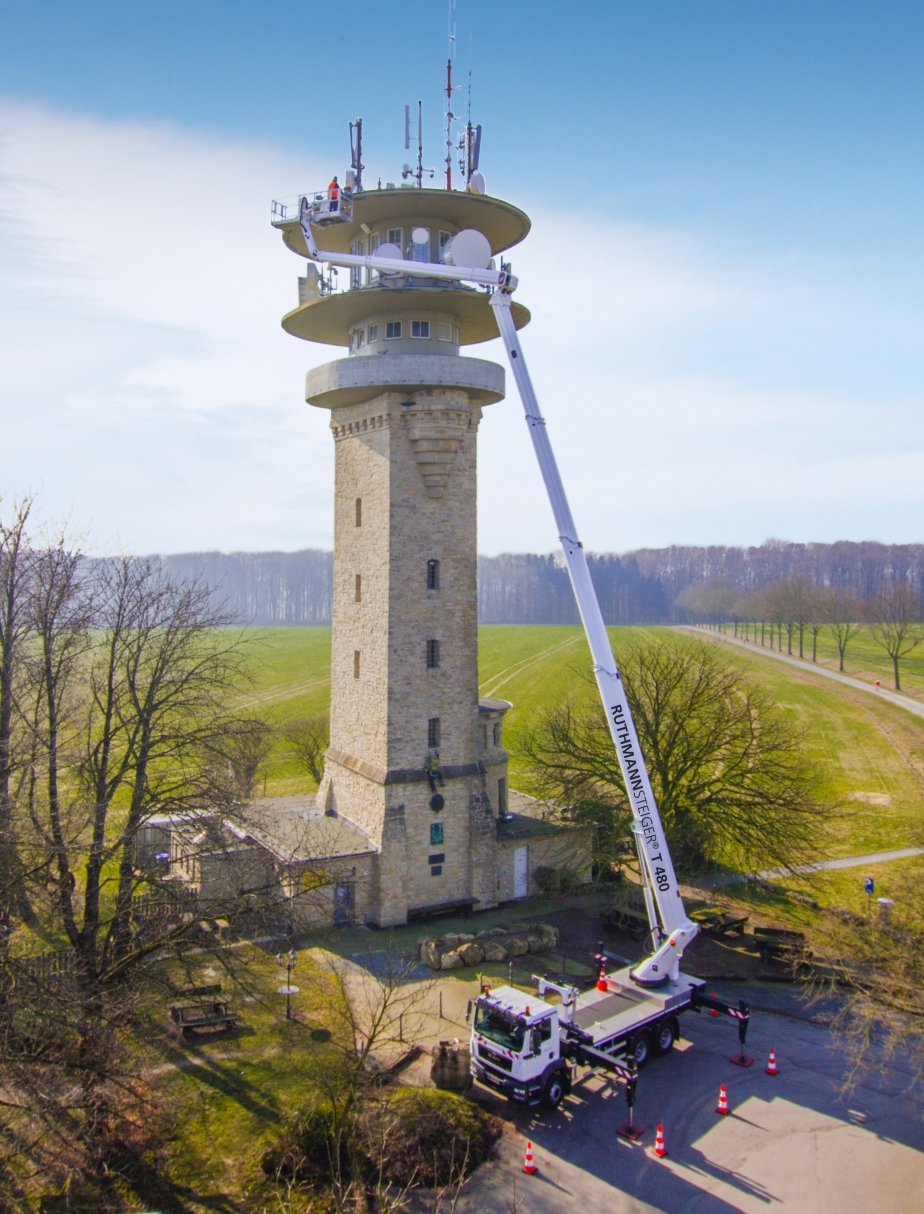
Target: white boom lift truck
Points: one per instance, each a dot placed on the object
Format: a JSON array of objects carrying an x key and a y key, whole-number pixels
[{"x": 523, "y": 1046}]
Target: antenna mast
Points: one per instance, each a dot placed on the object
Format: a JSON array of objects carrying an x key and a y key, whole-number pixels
[
  {"x": 356, "y": 149},
  {"x": 450, "y": 116}
]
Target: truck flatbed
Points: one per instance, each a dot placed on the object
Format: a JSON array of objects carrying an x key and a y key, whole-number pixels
[{"x": 625, "y": 1007}]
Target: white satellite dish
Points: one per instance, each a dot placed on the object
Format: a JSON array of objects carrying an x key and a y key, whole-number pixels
[
  {"x": 393, "y": 253},
  {"x": 420, "y": 236},
  {"x": 476, "y": 181},
  {"x": 468, "y": 248}
]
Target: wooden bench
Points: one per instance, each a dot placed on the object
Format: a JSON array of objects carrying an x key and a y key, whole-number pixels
[{"x": 204, "y": 1017}]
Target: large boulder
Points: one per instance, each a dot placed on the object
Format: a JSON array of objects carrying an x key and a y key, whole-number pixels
[
  {"x": 471, "y": 953},
  {"x": 451, "y": 1068},
  {"x": 517, "y": 946},
  {"x": 542, "y": 937},
  {"x": 494, "y": 951},
  {"x": 451, "y": 961},
  {"x": 493, "y": 933},
  {"x": 450, "y": 940},
  {"x": 431, "y": 952}
]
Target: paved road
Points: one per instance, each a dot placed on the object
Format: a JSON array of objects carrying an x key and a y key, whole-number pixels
[
  {"x": 893, "y": 697},
  {"x": 771, "y": 874},
  {"x": 792, "y": 1143}
]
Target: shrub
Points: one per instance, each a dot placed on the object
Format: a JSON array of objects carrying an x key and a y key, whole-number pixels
[
  {"x": 428, "y": 1138},
  {"x": 306, "y": 1148}
]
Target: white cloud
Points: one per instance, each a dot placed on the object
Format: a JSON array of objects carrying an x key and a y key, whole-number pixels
[{"x": 148, "y": 390}]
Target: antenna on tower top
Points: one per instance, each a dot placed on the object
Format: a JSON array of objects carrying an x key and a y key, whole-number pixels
[
  {"x": 356, "y": 152},
  {"x": 407, "y": 171}
]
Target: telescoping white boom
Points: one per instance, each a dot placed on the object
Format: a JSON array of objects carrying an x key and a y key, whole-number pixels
[{"x": 671, "y": 929}]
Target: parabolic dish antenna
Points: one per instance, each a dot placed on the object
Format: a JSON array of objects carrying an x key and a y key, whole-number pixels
[
  {"x": 468, "y": 248},
  {"x": 477, "y": 183},
  {"x": 393, "y": 253},
  {"x": 419, "y": 236}
]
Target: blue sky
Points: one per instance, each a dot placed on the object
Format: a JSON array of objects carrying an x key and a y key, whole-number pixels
[{"x": 724, "y": 269}]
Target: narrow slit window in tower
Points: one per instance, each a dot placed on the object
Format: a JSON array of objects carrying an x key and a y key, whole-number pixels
[
  {"x": 497, "y": 734},
  {"x": 358, "y": 590},
  {"x": 433, "y": 654},
  {"x": 359, "y": 512},
  {"x": 502, "y": 798},
  {"x": 355, "y": 663},
  {"x": 433, "y": 575},
  {"x": 433, "y": 732},
  {"x": 444, "y": 240},
  {"x": 436, "y": 834}
]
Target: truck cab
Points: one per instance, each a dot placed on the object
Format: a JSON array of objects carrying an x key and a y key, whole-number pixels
[{"x": 516, "y": 1047}]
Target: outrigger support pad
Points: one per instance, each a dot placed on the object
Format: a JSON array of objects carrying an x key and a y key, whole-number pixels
[{"x": 741, "y": 1013}]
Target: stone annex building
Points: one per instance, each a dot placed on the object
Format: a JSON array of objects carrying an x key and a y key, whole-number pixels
[{"x": 377, "y": 843}]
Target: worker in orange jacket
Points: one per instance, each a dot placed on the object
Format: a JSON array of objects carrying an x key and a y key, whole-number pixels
[{"x": 333, "y": 193}]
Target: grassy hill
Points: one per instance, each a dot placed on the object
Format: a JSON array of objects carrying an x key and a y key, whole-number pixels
[{"x": 871, "y": 753}]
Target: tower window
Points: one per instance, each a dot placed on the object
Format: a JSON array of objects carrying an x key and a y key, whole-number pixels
[
  {"x": 358, "y": 591},
  {"x": 392, "y": 329},
  {"x": 436, "y": 870},
  {"x": 484, "y": 736},
  {"x": 433, "y": 654},
  {"x": 436, "y": 834},
  {"x": 438, "y": 858},
  {"x": 433, "y": 732},
  {"x": 502, "y": 798},
  {"x": 373, "y": 333},
  {"x": 355, "y": 663},
  {"x": 433, "y": 575},
  {"x": 445, "y": 331},
  {"x": 420, "y": 328},
  {"x": 359, "y": 512},
  {"x": 394, "y": 236},
  {"x": 497, "y": 734},
  {"x": 445, "y": 237}
]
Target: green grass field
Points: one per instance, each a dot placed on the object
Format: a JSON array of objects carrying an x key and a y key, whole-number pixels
[{"x": 871, "y": 753}]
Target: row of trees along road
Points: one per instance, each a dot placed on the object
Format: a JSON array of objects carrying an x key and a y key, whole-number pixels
[{"x": 799, "y": 609}]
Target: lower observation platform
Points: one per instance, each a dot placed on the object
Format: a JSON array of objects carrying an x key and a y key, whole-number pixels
[{"x": 349, "y": 381}]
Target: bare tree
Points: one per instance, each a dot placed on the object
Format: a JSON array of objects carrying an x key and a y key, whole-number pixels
[
  {"x": 843, "y": 616},
  {"x": 876, "y": 969},
  {"x": 309, "y": 737},
  {"x": 241, "y": 756},
  {"x": 727, "y": 769},
  {"x": 15, "y": 575},
  {"x": 894, "y": 620}
]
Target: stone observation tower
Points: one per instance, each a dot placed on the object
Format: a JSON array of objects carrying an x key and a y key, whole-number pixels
[{"x": 405, "y": 409}]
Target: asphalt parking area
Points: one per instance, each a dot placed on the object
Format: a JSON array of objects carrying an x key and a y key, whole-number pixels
[{"x": 793, "y": 1142}]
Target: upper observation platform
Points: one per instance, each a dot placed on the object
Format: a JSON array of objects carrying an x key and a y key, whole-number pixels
[
  {"x": 368, "y": 212},
  {"x": 403, "y": 312}
]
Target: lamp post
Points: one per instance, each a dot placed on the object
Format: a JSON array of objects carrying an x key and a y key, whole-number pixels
[{"x": 287, "y": 962}]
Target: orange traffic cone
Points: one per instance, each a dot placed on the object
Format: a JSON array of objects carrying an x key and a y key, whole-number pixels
[
  {"x": 602, "y": 984},
  {"x": 771, "y": 1065},
  {"x": 528, "y": 1165},
  {"x": 723, "y": 1101},
  {"x": 659, "y": 1148}
]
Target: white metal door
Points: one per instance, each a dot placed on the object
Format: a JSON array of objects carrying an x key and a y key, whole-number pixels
[{"x": 521, "y": 872}]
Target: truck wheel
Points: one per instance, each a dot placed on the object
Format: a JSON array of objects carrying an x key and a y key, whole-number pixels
[
  {"x": 555, "y": 1090},
  {"x": 664, "y": 1037},
  {"x": 640, "y": 1049}
]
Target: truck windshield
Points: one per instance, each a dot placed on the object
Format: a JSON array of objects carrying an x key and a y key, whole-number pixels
[{"x": 497, "y": 1026}]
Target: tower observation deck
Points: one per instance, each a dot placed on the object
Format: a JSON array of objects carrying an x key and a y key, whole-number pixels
[{"x": 416, "y": 761}]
